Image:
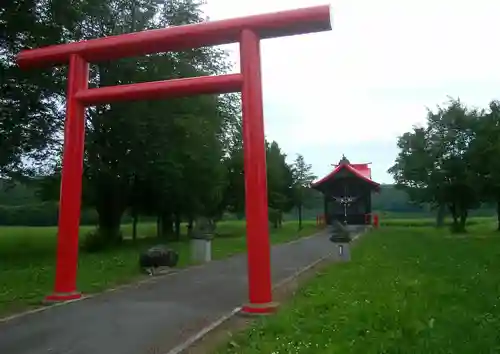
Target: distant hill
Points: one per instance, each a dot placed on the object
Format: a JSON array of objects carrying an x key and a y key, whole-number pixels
[
  {"x": 389, "y": 198},
  {"x": 19, "y": 205},
  {"x": 394, "y": 200}
]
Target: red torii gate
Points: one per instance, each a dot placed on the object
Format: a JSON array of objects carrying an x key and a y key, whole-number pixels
[{"x": 248, "y": 31}]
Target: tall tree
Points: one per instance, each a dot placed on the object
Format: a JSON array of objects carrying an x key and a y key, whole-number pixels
[
  {"x": 149, "y": 152},
  {"x": 279, "y": 183},
  {"x": 234, "y": 195},
  {"x": 302, "y": 179},
  {"x": 433, "y": 164},
  {"x": 484, "y": 156},
  {"x": 30, "y": 111}
]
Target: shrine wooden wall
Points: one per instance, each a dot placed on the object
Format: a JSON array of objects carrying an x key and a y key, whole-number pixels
[{"x": 355, "y": 212}]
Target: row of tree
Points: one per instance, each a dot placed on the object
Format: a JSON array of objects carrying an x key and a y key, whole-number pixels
[
  {"x": 453, "y": 162},
  {"x": 175, "y": 159}
]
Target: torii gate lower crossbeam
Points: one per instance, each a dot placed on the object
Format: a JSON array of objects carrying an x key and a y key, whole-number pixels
[{"x": 248, "y": 31}]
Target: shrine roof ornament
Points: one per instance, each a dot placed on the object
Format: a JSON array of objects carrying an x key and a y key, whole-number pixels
[{"x": 344, "y": 160}]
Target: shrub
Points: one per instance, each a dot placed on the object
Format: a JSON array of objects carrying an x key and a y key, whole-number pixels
[
  {"x": 97, "y": 241},
  {"x": 93, "y": 242},
  {"x": 39, "y": 214}
]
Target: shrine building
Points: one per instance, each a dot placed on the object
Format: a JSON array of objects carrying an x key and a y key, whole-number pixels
[{"x": 347, "y": 192}]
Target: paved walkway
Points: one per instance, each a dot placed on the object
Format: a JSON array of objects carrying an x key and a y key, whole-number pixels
[{"x": 153, "y": 317}]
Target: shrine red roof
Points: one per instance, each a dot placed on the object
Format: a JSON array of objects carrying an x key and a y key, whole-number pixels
[{"x": 360, "y": 170}]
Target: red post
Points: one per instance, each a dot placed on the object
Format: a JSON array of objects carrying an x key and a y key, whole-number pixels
[
  {"x": 375, "y": 221},
  {"x": 71, "y": 184},
  {"x": 257, "y": 222}
]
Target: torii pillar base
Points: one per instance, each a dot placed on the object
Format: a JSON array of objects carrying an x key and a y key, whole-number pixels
[
  {"x": 259, "y": 309},
  {"x": 62, "y": 297}
]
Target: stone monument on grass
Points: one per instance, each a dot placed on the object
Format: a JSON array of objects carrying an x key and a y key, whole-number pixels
[{"x": 201, "y": 240}]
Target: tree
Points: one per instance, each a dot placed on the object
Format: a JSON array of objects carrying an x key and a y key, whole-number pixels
[
  {"x": 163, "y": 157},
  {"x": 484, "y": 156},
  {"x": 302, "y": 179},
  {"x": 30, "y": 112},
  {"x": 166, "y": 146},
  {"x": 433, "y": 165},
  {"x": 279, "y": 183}
]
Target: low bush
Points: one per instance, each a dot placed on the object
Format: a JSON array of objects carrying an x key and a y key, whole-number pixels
[{"x": 39, "y": 214}]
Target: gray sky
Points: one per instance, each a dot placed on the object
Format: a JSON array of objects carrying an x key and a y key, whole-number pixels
[{"x": 355, "y": 89}]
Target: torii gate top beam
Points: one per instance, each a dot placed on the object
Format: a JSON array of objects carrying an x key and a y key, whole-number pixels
[{"x": 210, "y": 33}]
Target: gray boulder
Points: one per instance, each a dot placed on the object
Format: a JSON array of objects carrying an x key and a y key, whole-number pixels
[{"x": 158, "y": 256}]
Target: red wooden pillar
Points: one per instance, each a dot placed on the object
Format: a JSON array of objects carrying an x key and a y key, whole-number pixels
[
  {"x": 71, "y": 184},
  {"x": 257, "y": 222}
]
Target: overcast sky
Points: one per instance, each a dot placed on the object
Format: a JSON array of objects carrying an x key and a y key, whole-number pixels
[{"x": 355, "y": 89}]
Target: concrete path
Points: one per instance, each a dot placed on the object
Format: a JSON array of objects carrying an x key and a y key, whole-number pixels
[{"x": 153, "y": 317}]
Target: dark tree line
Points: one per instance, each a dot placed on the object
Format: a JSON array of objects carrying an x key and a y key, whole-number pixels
[
  {"x": 174, "y": 160},
  {"x": 452, "y": 163}
]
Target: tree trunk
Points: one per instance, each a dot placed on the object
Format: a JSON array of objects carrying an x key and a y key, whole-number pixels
[
  {"x": 454, "y": 214},
  {"x": 166, "y": 229},
  {"x": 459, "y": 214},
  {"x": 111, "y": 203},
  {"x": 441, "y": 213},
  {"x": 135, "y": 219},
  {"x": 190, "y": 226},
  {"x": 498, "y": 215},
  {"x": 177, "y": 226},
  {"x": 109, "y": 224},
  {"x": 463, "y": 220},
  {"x": 300, "y": 217}
]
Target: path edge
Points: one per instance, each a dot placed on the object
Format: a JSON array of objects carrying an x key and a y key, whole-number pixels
[
  {"x": 139, "y": 282},
  {"x": 181, "y": 348}
]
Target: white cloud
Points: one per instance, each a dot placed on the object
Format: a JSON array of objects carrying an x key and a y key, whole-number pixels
[{"x": 369, "y": 79}]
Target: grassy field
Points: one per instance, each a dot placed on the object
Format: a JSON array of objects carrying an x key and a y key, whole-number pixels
[
  {"x": 411, "y": 290},
  {"x": 474, "y": 222},
  {"x": 27, "y": 259}
]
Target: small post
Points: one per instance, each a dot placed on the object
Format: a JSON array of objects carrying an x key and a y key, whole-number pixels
[
  {"x": 201, "y": 241},
  {"x": 201, "y": 250},
  {"x": 71, "y": 185},
  {"x": 341, "y": 238}
]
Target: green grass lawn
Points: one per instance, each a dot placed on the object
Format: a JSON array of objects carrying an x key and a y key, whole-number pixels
[
  {"x": 407, "y": 290},
  {"x": 430, "y": 222},
  {"x": 27, "y": 259}
]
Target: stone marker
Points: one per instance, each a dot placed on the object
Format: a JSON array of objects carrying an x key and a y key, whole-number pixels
[
  {"x": 201, "y": 241},
  {"x": 341, "y": 238}
]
